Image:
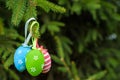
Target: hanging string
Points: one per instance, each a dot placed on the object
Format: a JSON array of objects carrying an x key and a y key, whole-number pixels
[
  {"x": 34, "y": 39},
  {"x": 26, "y": 25},
  {"x": 29, "y": 35}
]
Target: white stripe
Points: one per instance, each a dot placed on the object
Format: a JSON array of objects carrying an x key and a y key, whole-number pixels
[
  {"x": 46, "y": 54},
  {"x": 48, "y": 63},
  {"x": 47, "y": 59},
  {"x": 47, "y": 68}
]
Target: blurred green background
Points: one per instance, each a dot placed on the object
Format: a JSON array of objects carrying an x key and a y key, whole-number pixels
[{"x": 82, "y": 37}]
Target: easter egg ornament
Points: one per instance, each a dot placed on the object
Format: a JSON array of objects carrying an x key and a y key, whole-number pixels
[
  {"x": 20, "y": 53},
  {"x": 47, "y": 57},
  {"x": 34, "y": 62},
  {"x": 19, "y": 57},
  {"x": 34, "y": 59}
]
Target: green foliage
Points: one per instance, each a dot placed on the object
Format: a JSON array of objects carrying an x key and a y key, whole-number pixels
[
  {"x": 20, "y": 9},
  {"x": 30, "y": 10},
  {"x": 52, "y": 26},
  {"x": 7, "y": 43},
  {"x": 47, "y": 6},
  {"x": 97, "y": 76},
  {"x": 79, "y": 40}
]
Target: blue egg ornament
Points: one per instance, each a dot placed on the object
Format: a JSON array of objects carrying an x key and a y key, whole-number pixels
[{"x": 19, "y": 57}]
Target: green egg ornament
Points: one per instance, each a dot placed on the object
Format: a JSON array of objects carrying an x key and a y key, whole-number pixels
[{"x": 34, "y": 62}]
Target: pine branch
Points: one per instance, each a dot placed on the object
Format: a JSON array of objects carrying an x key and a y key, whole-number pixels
[
  {"x": 10, "y": 3},
  {"x": 8, "y": 62},
  {"x": 43, "y": 5},
  {"x": 61, "y": 54},
  {"x": 13, "y": 74},
  {"x": 1, "y": 27},
  {"x": 74, "y": 71},
  {"x": 31, "y": 10},
  {"x": 18, "y": 11},
  {"x": 59, "y": 47},
  {"x": 47, "y": 6}
]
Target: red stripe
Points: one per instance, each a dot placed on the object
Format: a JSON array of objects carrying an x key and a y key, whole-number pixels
[
  {"x": 45, "y": 71},
  {"x": 44, "y": 51},
  {"x": 46, "y": 56},
  {"x": 48, "y": 64},
  {"x": 47, "y": 61},
  {"x": 47, "y": 67}
]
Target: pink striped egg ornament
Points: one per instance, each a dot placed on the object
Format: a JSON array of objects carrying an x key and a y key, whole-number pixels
[{"x": 47, "y": 63}]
